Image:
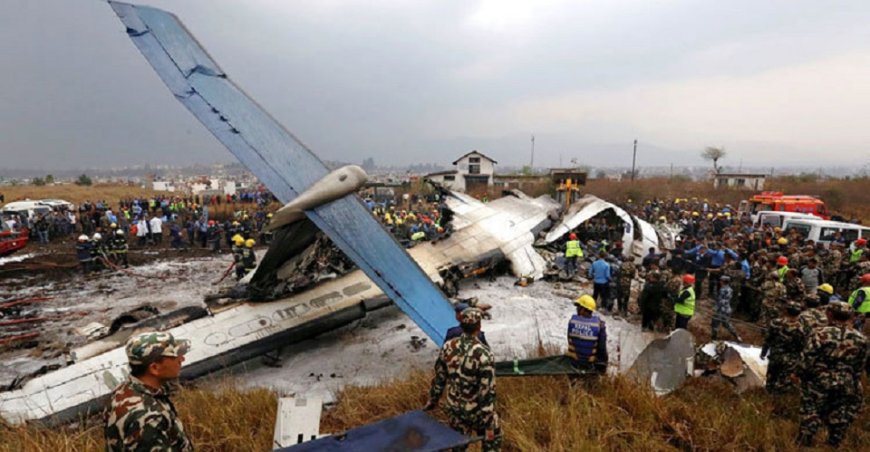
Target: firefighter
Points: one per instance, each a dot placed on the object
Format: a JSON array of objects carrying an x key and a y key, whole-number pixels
[
  {"x": 84, "y": 250},
  {"x": 238, "y": 253},
  {"x": 249, "y": 259}
]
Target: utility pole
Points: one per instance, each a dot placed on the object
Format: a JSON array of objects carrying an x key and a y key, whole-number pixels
[
  {"x": 532, "y": 164},
  {"x": 633, "y": 159}
]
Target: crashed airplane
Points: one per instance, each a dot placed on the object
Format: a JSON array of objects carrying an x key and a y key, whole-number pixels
[{"x": 318, "y": 202}]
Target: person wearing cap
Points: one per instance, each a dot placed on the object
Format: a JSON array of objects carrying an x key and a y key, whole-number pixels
[
  {"x": 684, "y": 304},
  {"x": 772, "y": 292},
  {"x": 456, "y": 331},
  {"x": 84, "y": 253},
  {"x": 830, "y": 372},
  {"x": 859, "y": 300},
  {"x": 722, "y": 310},
  {"x": 573, "y": 253},
  {"x": 857, "y": 250},
  {"x": 140, "y": 415},
  {"x": 814, "y": 316},
  {"x": 783, "y": 341},
  {"x": 465, "y": 371},
  {"x": 587, "y": 337}
]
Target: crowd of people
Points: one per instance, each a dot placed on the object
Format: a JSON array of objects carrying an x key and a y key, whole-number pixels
[
  {"x": 810, "y": 300},
  {"x": 413, "y": 219}
]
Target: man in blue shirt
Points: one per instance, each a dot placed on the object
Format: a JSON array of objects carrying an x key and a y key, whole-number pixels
[{"x": 601, "y": 276}]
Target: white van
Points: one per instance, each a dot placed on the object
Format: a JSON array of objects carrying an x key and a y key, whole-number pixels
[
  {"x": 776, "y": 218},
  {"x": 31, "y": 210},
  {"x": 823, "y": 231}
]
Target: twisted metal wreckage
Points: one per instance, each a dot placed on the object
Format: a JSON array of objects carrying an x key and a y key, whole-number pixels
[{"x": 321, "y": 204}]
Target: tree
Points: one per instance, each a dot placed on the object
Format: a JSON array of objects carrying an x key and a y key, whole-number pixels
[
  {"x": 49, "y": 179},
  {"x": 84, "y": 180},
  {"x": 38, "y": 181},
  {"x": 714, "y": 154}
]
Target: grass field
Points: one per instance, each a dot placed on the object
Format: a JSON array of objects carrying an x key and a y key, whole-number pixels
[{"x": 538, "y": 413}]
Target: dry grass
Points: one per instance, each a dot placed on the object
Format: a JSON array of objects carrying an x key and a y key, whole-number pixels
[
  {"x": 77, "y": 194},
  {"x": 538, "y": 413},
  {"x": 222, "y": 419}
]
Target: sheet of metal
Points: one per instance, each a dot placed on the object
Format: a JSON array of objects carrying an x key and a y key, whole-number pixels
[
  {"x": 281, "y": 161},
  {"x": 584, "y": 209}
]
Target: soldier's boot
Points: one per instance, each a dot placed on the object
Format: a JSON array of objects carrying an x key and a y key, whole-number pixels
[{"x": 836, "y": 433}]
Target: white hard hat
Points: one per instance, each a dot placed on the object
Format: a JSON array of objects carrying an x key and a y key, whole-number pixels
[
  {"x": 98, "y": 236},
  {"x": 119, "y": 232},
  {"x": 83, "y": 238}
]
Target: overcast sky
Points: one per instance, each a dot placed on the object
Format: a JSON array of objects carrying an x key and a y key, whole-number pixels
[{"x": 775, "y": 82}]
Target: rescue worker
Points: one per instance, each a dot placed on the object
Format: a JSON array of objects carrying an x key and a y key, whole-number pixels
[
  {"x": 98, "y": 254},
  {"x": 84, "y": 253},
  {"x": 650, "y": 299},
  {"x": 573, "y": 253},
  {"x": 783, "y": 341},
  {"x": 722, "y": 310},
  {"x": 772, "y": 290},
  {"x": 238, "y": 249},
  {"x": 140, "y": 415},
  {"x": 600, "y": 274},
  {"x": 214, "y": 236},
  {"x": 782, "y": 267},
  {"x": 684, "y": 306},
  {"x": 814, "y": 317},
  {"x": 119, "y": 248},
  {"x": 587, "y": 337},
  {"x": 860, "y": 301},
  {"x": 831, "y": 366},
  {"x": 456, "y": 331},
  {"x": 249, "y": 258},
  {"x": 465, "y": 370},
  {"x": 627, "y": 273},
  {"x": 860, "y": 246}
]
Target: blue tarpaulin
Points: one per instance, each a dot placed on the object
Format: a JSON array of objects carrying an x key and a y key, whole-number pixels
[
  {"x": 281, "y": 162},
  {"x": 413, "y": 431}
]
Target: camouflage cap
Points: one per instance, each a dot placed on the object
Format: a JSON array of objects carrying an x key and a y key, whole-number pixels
[
  {"x": 145, "y": 348},
  {"x": 471, "y": 316},
  {"x": 793, "y": 305},
  {"x": 840, "y": 310}
]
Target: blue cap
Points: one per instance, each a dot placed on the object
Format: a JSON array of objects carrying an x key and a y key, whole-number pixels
[{"x": 459, "y": 307}]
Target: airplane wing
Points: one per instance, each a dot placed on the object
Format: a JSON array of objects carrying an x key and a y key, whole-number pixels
[{"x": 281, "y": 161}]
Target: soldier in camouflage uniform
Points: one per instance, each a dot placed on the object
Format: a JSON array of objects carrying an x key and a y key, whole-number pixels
[
  {"x": 772, "y": 291},
  {"x": 832, "y": 263},
  {"x": 651, "y": 298},
  {"x": 627, "y": 272},
  {"x": 784, "y": 342},
  {"x": 794, "y": 287},
  {"x": 813, "y": 316},
  {"x": 830, "y": 371},
  {"x": 673, "y": 286},
  {"x": 466, "y": 370},
  {"x": 140, "y": 416}
]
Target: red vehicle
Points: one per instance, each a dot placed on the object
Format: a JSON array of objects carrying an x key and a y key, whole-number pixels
[
  {"x": 10, "y": 240},
  {"x": 779, "y": 202}
]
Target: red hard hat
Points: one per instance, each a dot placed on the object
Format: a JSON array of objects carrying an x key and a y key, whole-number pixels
[
  {"x": 861, "y": 241},
  {"x": 688, "y": 279},
  {"x": 782, "y": 260},
  {"x": 865, "y": 279},
  {"x": 211, "y": 222},
  {"x": 572, "y": 236}
]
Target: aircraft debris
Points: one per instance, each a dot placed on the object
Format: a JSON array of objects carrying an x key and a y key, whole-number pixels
[
  {"x": 666, "y": 362},
  {"x": 738, "y": 364}
]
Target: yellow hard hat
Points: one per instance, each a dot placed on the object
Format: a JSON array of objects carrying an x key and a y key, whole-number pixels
[
  {"x": 235, "y": 223},
  {"x": 586, "y": 301},
  {"x": 113, "y": 225},
  {"x": 696, "y": 214},
  {"x": 268, "y": 215},
  {"x": 782, "y": 241},
  {"x": 250, "y": 243},
  {"x": 238, "y": 240},
  {"x": 827, "y": 288}
]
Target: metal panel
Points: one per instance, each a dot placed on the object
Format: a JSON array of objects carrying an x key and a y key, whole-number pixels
[{"x": 281, "y": 161}]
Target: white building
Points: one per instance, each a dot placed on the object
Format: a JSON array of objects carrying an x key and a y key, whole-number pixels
[
  {"x": 162, "y": 185},
  {"x": 739, "y": 181},
  {"x": 474, "y": 171}
]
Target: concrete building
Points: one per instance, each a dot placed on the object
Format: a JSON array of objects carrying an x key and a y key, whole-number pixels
[
  {"x": 474, "y": 172},
  {"x": 739, "y": 181}
]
